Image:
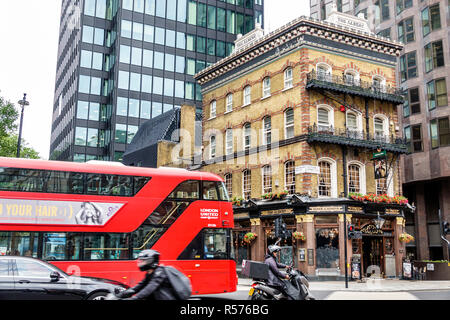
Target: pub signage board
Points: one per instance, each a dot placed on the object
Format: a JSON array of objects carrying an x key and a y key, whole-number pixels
[{"x": 322, "y": 209}]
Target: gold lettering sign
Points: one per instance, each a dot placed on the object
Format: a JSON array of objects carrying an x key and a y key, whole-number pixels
[
  {"x": 392, "y": 211},
  {"x": 371, "y": 229},
  {"x": 326, "y": 209},
  {"x": 276, "y": 212},
  {"x": 241, "y": 215},
  {"x": 355, "y": 209}
]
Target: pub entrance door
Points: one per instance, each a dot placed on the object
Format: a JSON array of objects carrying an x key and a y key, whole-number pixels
[{"x": 372, "y": 256}]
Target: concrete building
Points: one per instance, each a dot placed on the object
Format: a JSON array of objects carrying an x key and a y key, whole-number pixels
[
  {"x": 123, "y": 62},
  {"x": 294, "y": 121},
  {"x": 423, "y": 69}
]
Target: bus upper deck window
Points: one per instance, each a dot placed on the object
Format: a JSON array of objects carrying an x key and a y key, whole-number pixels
[
  {"x": 210, "y": 191},
  {"x": 223, "y": 191},
  {"x": 186, "y": 190}
]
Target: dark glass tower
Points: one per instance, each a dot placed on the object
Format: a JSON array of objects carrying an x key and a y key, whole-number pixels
[{"x": 122, "y": 62}]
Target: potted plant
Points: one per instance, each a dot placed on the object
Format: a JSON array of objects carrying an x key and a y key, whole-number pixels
[
  {"x": 405, "y": 237},
  {"x": 249, "y": 237},
  {"x": 283, "y": 194},
  {"x": 298, "y": 235},
  {"x": 237, "y": 201}
]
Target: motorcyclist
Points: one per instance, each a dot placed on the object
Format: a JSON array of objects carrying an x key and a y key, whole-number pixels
[
  {"x": 155, "y": 285},
  {"x": 275, "y": 275}
]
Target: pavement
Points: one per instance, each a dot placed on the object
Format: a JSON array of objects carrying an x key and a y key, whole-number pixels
[{"x": 374, "y": 285}]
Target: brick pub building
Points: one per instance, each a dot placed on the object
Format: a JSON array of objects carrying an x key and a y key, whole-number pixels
[{"x": 294, "y": 121}]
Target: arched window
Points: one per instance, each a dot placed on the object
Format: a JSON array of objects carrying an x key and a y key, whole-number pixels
[
  {"x": 323, "y": 72},
  {"x": 229, "y": 103},
  {"x": 325, "y": 118},
  {"x": 289, "y": 176},
  {"x": 266, "y": 87},
  {"x": 267, "y": 130},
  {"x": 267, "y": 179},
  {"x": 288, "y": 78},
  {"x": 229, "y": 183},
  {"x": 354, "y": 123},
  {"x": 212, "y": 147},
  {"x": 351, "y": 77},
  {"x": 381, "y": 128},
  {"x": 379, "y": 83},
  {"x": 246, "y": 184},
  {"x": 212, "y": 109},
  {"x": 229, "y": 141},
  {"x": 356, "y": 177},
  {"x": 247, "y": 136},
  {"x": 289, "y": 123},
  {"x": 247, "y": 95},
  {"x": 327, "y": 178}
]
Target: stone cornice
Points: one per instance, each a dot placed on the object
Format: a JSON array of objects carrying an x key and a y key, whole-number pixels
[{"x": 298, "y": 29}]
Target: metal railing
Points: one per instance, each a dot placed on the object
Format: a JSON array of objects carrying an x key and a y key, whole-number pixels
[
  {"x": 355, "y": 86},
  {"x": 331, "y": 134}
]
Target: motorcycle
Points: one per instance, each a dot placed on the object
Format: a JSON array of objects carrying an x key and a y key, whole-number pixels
[{"x": 297, "y": 288}]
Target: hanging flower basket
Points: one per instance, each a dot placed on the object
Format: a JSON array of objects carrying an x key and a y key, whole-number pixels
[
  {"x": 249, "y": 237},
  {"x": 405, "y": 237},
  {"x": 381, "y": 198},
  {"x": 237, "y": 201},
  {"x": 298, "y": 235}
]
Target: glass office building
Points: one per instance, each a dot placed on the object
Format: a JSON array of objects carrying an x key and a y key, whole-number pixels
[{"x": 122, "y": 62}]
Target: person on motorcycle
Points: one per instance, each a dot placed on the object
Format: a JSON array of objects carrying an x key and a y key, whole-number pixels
[
  {"x": 275, "y": 275},
  {"x": 155, "y": 285}
]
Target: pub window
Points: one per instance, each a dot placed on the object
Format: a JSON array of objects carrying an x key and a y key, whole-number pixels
[
  {"x": 266, "y": 87},
  {"x": 246, "y": 184},
  {"x": 229, "y": 102},
  {"x": 212, "y": 109},
  {"x": 289, "y": 176},
  {"x": 229, "y": 184},
  {"x": 288, "y": 78},
  {"x": 289, "y": 123},
  {"x": 325, "y": 118},
  {"x": 327, "y": 178},
  {"x": 323, "y": 72},
  {"x": 229, "y": 141},
  {"x": 381, "y": 186},
  {"x": 247, "y": 95},
  {"x": 247, "y": 136},
  {"x": 381, "y": 128},
  {"x": 267, "y": 131},
  {"x": 327, "y": 248},
  {"x": 356, "y": 178},
  {"x": 267, "y": 179},
  {"x": 212, "y": 147}
]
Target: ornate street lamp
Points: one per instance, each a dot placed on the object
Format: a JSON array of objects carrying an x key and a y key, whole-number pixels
[
  {"x": 23, "y": 103},
  {"x": 379, "y": 221}
]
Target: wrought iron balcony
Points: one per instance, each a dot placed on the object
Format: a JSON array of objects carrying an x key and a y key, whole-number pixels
[
  {"x": 358, "y": 139},
  {"x": 347, "y": 84}
]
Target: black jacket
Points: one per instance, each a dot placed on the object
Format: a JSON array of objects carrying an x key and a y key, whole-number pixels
[
  {"x": 274, "y": 272},
  {"x": 155, "y": 286}
]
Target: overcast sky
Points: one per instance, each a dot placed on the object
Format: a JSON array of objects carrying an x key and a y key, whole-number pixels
[{"x": 29, "y": 32}]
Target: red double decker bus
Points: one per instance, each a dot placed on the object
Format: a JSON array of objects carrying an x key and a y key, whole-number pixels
[{"x": 93, "y": 219}]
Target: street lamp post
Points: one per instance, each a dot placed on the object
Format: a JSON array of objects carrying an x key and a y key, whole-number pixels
[{"x": 23, "y": 103}]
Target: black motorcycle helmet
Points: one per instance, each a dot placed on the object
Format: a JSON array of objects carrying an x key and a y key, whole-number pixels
[{"x": 148, "y": 259}]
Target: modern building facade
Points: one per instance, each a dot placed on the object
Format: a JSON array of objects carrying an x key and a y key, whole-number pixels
[
  {"x": 423, "y": 73},
  {"x": 293, "y": 121},
  {"x": 122, "y": 62}
]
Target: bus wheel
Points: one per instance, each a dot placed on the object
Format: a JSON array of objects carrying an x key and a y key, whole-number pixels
[{"x": 98, "y": 296}]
